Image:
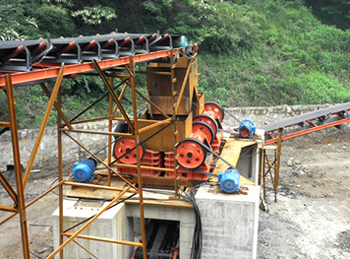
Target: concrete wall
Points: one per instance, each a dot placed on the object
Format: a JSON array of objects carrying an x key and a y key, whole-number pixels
[{"x": 46, "y": 160}]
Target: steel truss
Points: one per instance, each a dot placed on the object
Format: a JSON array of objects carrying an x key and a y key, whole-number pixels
[{"x": 50, "y": 71}]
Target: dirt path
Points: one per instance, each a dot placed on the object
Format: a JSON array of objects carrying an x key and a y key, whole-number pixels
[{"x": 312, "y": 216}]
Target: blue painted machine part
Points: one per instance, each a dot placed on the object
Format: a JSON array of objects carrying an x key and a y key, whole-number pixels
[
  {"x": 84, "y": 171},
  {"x": 229, "y": 181},
  {"x": 247, "y": 129},
  {"x": 184, "y": 42}
]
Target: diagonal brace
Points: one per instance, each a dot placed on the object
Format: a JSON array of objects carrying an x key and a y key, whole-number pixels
[
  {"x": 114, "y": 96},
  {"x": 43, "y": 125},
  {"x": 46, "y": 91},
  {"x": 8, "y": 188}
]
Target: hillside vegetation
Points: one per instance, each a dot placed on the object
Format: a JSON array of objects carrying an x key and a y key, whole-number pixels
[{"x": 251, "y": 52}]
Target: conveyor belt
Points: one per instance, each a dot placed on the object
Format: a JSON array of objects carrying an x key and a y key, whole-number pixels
[
  {"x": 308, "y": 122},
  {"x": 35, "y": 61},
  {"x": 22, "y": 55}
]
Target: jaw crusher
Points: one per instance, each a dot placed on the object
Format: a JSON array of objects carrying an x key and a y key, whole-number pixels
[{"x": 196, "y": 131}]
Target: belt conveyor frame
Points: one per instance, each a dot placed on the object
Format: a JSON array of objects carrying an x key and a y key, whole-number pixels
[{"x": 307, "y": 123}]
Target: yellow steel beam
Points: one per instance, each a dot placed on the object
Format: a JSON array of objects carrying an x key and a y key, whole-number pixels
[
  {"x": 85, "y": 249},
  {"x": 108, "y": 240},
  {"x": 43, "y": 126},
  {"x": 8, "y": 188},
  {"x": 7, "y": 208},
  {"x": 59, "y": 110},
  {"x": 91, "y": 120},
  {"x": 120, "y": 97},
  {"x": 45, "y": 193},
  {"x": 99, "y": 160},
  {"x": 166, "y": 121},
  {"x": 179, "y": 99},
  {"x": 278, "y": 161},
  {"x": 60, "y": 171},
  {"x": 110, "y": 125},
  {"x": 95, "y": 186},
  {"x": 154, "y": 73},
  {"x": 114, "y": 96},
  {"x": 4, "y": 124},
  {"x": 138, "y": 157},
  {"x": 97, "y": 132},
  {"x": 18, "y": 169}
]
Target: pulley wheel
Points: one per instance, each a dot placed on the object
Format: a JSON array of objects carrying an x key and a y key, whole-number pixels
[
  {"x": 205, "y": 128},
  {"x": 124, "y": 150},
  {"x": 208, "y": 120},
  {"x": 214, "y": 106},
  {"x": 191, "y": 153}
]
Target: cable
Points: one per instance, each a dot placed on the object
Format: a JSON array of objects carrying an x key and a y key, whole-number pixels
[
  {"x": 197, "y": 240},
  {"x": 36, "y": 256}
]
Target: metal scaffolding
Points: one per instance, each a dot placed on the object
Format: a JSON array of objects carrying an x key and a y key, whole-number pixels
[{"x": 67, "y": 57}]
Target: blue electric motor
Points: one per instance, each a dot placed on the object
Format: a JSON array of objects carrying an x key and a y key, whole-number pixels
[
  {"x": 246, "y": 129},
  {"x": 229, "y": 181},
  {"x": 84, "y": 171}
]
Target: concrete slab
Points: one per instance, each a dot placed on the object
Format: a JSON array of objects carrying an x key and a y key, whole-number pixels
[
  {"x": 229, "y": 223},
  {"x": 109, "y": 225}
]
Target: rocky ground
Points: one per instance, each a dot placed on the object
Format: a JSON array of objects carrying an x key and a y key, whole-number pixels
[
  {"x": 310, "y": 220},
  {"x": 312, "y": 216}
]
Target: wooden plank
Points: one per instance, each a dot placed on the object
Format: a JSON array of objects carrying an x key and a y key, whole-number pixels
[{"x": 89, "y": 193}]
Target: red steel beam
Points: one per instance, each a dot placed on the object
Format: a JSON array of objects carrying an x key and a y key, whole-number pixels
[
  {"x": 304, "y": 132},
  {"x": 51, "y": 73}
]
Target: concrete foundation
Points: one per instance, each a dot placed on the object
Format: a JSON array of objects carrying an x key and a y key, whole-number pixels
[
  {"x": 110, "y": 224},
  {"x": 229, "y": 222}
]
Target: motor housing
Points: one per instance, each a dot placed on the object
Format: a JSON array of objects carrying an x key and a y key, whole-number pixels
[
  {"x": 84, "y": 171},
  {"x": 229, "y": 180},
  {"x": 246, "y": 129}
]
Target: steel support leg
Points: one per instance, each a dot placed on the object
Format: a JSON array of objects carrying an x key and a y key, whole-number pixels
[{"x": 18, "y": 168}]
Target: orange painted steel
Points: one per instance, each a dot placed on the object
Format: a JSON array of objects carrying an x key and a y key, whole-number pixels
[
  {"x": 152, "y": 164},
  {"x": 127, "y": 145},
  {"x": 43, "y": 126},
  {"x": 53, "y": 71},
  {"x": 8, "y": 188},
  {"x": 214, "y": 111},
  {"x": 18, "y": 170},
  {"x": 191, "y": 154},
  {"x": 307, "y": 131}
]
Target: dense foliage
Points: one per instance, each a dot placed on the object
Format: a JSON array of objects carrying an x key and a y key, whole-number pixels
[{"x": 252, "y": 53}]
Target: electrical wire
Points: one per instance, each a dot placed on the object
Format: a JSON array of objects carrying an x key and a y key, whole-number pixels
[{"x": 197, "y": 240}]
